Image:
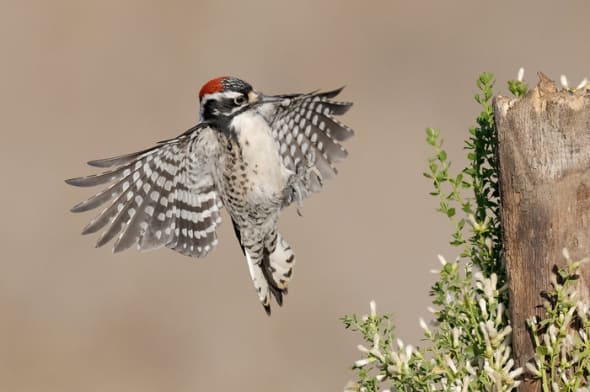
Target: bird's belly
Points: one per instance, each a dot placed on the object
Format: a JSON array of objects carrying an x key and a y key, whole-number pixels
[{"x": 262, "y": 165}]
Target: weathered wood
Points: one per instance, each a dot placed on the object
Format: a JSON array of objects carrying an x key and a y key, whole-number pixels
[{"x": 544, "y": 158}]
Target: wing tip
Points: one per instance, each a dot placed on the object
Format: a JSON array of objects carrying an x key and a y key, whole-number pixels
[
  {"x": 91, "y": 228},
  {"x": 78, "y": 207},
  {"x": 120, "y": 159},
  {"x": 91, "y": 180},
  {"x": 333, "y": 93},
  {"x": 102, "y": 163},
  {"x": 76, "y": 181},
  {"x": 118, "y": 248},
  {"x": 102, "y": 240}
]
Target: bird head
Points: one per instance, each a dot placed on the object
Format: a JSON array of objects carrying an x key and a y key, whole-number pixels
[{"x": 224, "y": 97}]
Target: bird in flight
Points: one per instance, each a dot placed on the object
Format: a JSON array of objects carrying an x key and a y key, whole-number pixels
[{"x": 251, "y": 153}]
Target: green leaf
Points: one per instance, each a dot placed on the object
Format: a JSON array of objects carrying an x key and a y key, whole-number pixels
[
  {"x": 433, "y": 167},
  {"x": 451, "y": 212},
  {"x": 541, "y": 351},
  {"x": 448, "y": 268}
]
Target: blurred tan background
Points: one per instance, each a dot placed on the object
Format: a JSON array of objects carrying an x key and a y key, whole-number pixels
[{"x": 83, "y": 80}]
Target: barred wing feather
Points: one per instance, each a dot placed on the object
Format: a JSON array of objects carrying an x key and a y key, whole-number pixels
[
  {"x": 162, "y": 196},
  {"x": 309, "y": 135}
]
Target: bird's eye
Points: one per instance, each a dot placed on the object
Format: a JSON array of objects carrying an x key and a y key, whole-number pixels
[{"x": 239, "y": 101}]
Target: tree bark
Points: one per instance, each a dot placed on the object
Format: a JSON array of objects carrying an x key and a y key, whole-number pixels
[{"x": 544, "y": 162}]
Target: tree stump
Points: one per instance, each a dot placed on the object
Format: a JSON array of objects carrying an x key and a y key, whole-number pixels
[{"x": 544, "y": 166}]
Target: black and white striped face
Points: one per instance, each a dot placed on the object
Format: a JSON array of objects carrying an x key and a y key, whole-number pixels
[{"x": 219, "y": 107}]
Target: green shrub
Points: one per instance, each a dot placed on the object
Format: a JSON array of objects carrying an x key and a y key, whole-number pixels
[{"x": 468, "y": 344}]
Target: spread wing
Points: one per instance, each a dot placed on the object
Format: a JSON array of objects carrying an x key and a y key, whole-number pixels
[
  {"x": 162, "y": 196},
  {"x": 309, "y": 135}
]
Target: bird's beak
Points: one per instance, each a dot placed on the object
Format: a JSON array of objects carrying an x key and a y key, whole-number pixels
[{"x": 258, "y": 98}]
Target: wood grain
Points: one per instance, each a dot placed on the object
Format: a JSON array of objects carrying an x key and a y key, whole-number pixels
[{"x": 544, "y": 158}]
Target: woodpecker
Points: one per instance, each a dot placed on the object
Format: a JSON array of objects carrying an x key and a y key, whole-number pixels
[{"x": 251, "y": 153}]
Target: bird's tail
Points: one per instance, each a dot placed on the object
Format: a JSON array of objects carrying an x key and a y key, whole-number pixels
[{"x": 271, "y": 268}]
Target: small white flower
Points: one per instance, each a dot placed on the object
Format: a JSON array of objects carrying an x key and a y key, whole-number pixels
[
  {"x": 533, "y": 369},
  {"x": 553, "y": 333},
  {"x": 547, "y": 344},
  {"x": 486, "y": 337},
  {"x": 376, "y": 340},
  {"x": 493, "y": 281},
  {"x": 376, "y": 353},
  {"x": 400, "y": 343},
  {"x": 482, "y": 305},
  {"x": 499, "y": 313},
  {"x": 488, "y": 369},
  {"x": 442, "y": 260},
  {"x": 489, "y": 244},
  {"x": 473, "y": 222},
  {"x": 424, "y": 326},
  {"x": 431, "y": 309},
  {"x": 506, "y": 360},
  {"x": 505, "y": 332},
  {"x": 449, "y": 297},
  {"x": 569, "y": 315},
  {"x": 520, "y": 76},
  {"x": 564, "y": 251},
  {"x": 451, "y": 364},
  {"x": 363, "y": 362},
  {"x": 362, "y": 348},
  {"x": 456, "y": 334},
  {"x": 563, "y": 80},
  {"x": 479, "y": 280},
  {"x": 565, "y": 85},
  {"x": 466, "y": 381},
  {"x": 508, "y": 365}
]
